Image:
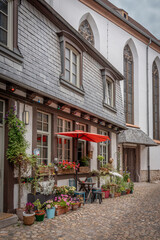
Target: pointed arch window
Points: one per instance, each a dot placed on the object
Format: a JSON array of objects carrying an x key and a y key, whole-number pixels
[
  {"x": 155, "y": 79},
  {"x": 86, "y": 31},
  {"x": 128, "y": 85}
]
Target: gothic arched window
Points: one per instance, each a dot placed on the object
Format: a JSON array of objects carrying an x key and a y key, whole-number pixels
[
  {"x": 155, "y": 81},
  {"x": 128, "y": 85},
  {"x": 86, "y": 31}
]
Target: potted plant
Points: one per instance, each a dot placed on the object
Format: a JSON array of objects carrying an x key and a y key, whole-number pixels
[
  {"x": 29, "y": 214},
  {"x": 106, "y": 190},
  {"x": 131, "y": 186},
  {"x": 100, "y": 159},
  {"x": 84, "y": 164},
  {"x": 123, "y": 188},
  {"x": 62, "y": 204},
  {"x": 126, "y": 176},
  {"x": 50, "y": 208},
  {"x": 75, "y": 203},
  {"x": 39, "y": 213},
  {"x": 118, "y": 192}
]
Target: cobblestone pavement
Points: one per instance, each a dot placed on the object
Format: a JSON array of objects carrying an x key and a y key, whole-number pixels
[{"x": 134, "y": 216}]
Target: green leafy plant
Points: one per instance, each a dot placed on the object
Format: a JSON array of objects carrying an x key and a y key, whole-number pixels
[
  {"x": 126, "y": 176},
  {"x": 84, "y": 162},
  {"x": 131, "y": 185},
  {"x": 105, "y": 187},
  {"x": 38, "y": 204},
  {"x": 100, "y": 159},
  {"x": 17, "y": 146}
]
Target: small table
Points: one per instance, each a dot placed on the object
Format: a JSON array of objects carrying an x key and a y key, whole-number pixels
[{"x": 87, "y": 187}]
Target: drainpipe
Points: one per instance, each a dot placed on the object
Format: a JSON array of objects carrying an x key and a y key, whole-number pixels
[{"x": 147, "y": 79}]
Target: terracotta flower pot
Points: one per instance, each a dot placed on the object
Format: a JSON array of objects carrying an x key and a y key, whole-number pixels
[
  {"x": 28, "y": 219},
  {"x": 60, "y": 210},
  {"x": 117, "y": 194},
  {"x": 75, "y": 206},
  {"x": 128, "y": 191}
]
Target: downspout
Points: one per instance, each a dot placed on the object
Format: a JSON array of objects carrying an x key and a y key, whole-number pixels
[{"x": 147, "y": 79}]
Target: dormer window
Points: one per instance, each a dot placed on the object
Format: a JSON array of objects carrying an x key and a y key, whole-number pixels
[
  {"x": 72, "y": 65},
  {"x": 6, "y": 23},
  {"x": 71, "y": 62}
]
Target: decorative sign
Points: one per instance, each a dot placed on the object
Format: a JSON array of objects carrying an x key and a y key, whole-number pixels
[{"x": 36, "y": 151}]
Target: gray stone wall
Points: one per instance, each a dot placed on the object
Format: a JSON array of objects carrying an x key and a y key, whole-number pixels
[
  {"x": 41, "y": 69},
  {"x": 154, "y": 175}
]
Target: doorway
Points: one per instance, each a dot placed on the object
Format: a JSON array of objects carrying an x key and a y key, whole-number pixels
[
  {"x": 2, "y": 110},
  {"x": 129, "y": 162}
]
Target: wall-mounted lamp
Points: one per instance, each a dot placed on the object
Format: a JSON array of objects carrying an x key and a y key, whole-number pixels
[{"x": 26, "y": 117}]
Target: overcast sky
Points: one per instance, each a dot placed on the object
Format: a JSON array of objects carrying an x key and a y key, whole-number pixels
[{"x": 146, "y": 12}]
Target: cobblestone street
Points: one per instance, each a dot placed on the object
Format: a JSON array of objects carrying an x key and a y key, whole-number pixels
[{"x": 134, "y": 216}]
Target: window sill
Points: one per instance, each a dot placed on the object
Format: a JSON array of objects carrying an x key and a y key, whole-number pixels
[
  {"x": 72, "y": 87},
  {"x": 15, "y": 54},
  {"x": 113, "y": 109},
  {"x": 132, "y": 125}
]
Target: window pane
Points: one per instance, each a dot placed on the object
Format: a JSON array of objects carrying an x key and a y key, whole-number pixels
[
  {"x": 45, "y": 127},
  {"x": 74, "y": 68},
  {"x": 39, "y": 139},
  {"x": 39, "y": 125},
  {"x": 45, "y": 118},
  {"x": 74, "y": 58},
  {"x": 1, "y": 106},
  {"x": 3, "y": 36},
  {"x": 45, "y": 140},
  {"x": 39, "y": 116},
  {"x": 3, "y": 21},
  {"x": 4, "y": 6},
  {"x": 67, "y": 75},
  {"x": 1, "y": 118},
  {"x": 67, "y": 64},
  {"x": 45, "y": 152},
  {"x": 74, "y": 79},
  {"x": 67, "y": 53}
]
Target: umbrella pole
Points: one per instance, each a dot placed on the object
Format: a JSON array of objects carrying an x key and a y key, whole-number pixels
[{"x": 76, "y": 160}]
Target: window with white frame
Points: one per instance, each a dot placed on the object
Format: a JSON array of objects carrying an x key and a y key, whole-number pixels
[
  {"x": 104, "y": 148},
  {"x": 72, "y": 65},
  {"x": 44, "y": 137},
  {"x": 109, "y": 92},
  {"x": 6, "y": 23},
  {"x": 64, "y": 144},
  {"x": 81, "y": 143}
]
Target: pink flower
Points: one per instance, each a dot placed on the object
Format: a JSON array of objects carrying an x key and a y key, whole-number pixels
[{"x": 48, "y": 206}]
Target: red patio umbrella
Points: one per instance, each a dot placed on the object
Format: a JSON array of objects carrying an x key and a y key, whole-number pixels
[{"x": 92, "y": 137}]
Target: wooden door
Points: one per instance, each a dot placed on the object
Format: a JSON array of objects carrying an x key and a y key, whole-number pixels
[{"x": 129, "y": 162}]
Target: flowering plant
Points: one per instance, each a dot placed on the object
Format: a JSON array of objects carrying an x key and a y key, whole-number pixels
[
  {"x": 48, "y": 204},
  {"x": 126, "y": 176},
  {"x": 75, "y": 200},
  {"x": 65, "y": 190},
  {"x": 29, "y": 207},
  {"x": 68, "y": 165}
]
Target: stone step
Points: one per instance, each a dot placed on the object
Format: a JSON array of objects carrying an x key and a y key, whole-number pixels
[{"x": 8, "y": 220}]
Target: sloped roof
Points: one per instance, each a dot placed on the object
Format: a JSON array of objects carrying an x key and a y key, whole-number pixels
[
  {"x": 131, "y": 20},
  {"x": 136, "y": 136}
]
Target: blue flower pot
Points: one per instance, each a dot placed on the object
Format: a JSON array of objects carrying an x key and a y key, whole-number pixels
[{"x": 51, "y": 213}]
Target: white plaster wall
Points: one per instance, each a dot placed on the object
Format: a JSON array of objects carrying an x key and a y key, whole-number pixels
[
  {"x": 155, "y": 158},
  {"x": 114, "y": 149},
  {"x": 25, "y": 191},
  {"x": 28, "y": 127},
  {"x": 94, "y": 149},
  {"x": 143, "y": 157}
]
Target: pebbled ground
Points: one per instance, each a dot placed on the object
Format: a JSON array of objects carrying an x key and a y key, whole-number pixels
[{"x": 132, "y": 217}]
